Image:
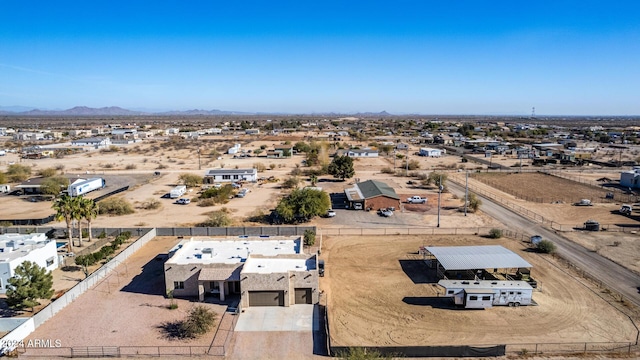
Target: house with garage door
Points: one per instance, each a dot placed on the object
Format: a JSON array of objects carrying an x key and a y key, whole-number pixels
[
  {"x": 371, "y": 194},
  {"x": 261, "y": 271}
]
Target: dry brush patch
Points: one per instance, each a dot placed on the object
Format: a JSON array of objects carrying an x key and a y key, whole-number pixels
[{"x": 539, "y": 187}]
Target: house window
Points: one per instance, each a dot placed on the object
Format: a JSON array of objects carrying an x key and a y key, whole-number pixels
[
  {"x": 178, "y": 285},
  {"x": 236, "y": 177},
  {"x": 214, "y": 285},
  {"x": 226, "y": 177},
  {"x": 473, "y": 297},
  {"x": 450, "y": 292},
  {"x": 519, "y": 293},
  {"x": 49, "y": 261},
  {"x": 510, "y": 292},
  {"x": 485, "y": 298}
]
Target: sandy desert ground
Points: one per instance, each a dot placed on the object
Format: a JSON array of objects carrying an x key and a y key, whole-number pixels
[{"x": 378, "y": 294}]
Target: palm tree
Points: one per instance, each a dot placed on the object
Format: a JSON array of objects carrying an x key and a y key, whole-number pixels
[
  {"x": 78, "y": 214},
  {"x": 89, "y": 212},
  {"x": 65, "y": 208}
]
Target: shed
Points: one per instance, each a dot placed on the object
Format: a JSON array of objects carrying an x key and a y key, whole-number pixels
[{"x": 372, "y": 194}]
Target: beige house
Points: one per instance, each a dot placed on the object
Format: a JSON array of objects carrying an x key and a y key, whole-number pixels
[{"x": 262, "y": 271}]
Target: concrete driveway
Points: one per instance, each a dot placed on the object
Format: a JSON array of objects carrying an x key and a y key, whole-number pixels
[{"x": 279, "y": 318}]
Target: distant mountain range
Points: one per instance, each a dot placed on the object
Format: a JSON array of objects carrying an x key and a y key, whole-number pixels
[
  {"x": 118, "y": 111},
  {"x": 106, "y": 111}
]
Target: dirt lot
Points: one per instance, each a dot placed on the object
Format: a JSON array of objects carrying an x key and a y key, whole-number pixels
[
  {"x": 103, "y": 315},
  {"x": 541, "y": 188},
  {"x": 378, "y": 294}
]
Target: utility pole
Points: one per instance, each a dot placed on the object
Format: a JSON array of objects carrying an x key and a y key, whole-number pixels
[
  {"x": 440, "y": 188},
  {"x": 199, "y": 164},
  {"x": 406, "y": 171},
  {"x": 466, "y": 193}
]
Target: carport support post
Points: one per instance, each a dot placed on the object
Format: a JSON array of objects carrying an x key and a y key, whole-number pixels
[{"x": 440, "y": 188}]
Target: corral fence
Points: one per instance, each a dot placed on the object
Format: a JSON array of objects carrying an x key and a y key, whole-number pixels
[
  {"x": 578, "y": 348},
  {"x": 356, "y": 231}
]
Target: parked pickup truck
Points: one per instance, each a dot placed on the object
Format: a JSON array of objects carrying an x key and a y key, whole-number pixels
[{"x": 417, "y": 200}]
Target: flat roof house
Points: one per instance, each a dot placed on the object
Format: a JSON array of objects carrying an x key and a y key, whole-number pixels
[
  {"x": 96, "y": 142},
  {"x": 263, "y": 271},
  {"x": 362, "y": 153},
  {"x": 16, "y": 249},
  {"x": 228, "y": 175},
  {"x": 372, "y": 194}
]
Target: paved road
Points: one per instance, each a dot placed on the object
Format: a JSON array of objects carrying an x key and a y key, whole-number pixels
[{"x": 616, "y": 277}]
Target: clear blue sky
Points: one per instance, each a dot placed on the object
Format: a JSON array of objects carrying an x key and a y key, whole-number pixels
[{"x": 444, "y": 57}]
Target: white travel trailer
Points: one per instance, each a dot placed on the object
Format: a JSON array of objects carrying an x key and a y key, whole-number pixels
[
  {"x": 487, "y": 293},
  {"x": 178, "y": 191}
]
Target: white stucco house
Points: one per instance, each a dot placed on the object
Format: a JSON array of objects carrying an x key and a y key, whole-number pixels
[
  {"x": 18, "y": 248},
  {"x": 631, "y": 179},
  {"x": 262, "y": 271}
]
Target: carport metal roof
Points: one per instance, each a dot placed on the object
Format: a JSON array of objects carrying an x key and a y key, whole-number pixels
[{"x": 477, "y": 257}]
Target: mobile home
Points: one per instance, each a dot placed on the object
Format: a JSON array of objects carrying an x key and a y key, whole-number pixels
[{"x": 487, "y": 293}]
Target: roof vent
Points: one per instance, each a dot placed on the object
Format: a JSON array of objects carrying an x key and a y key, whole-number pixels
[
  {"x": 207, "y": 251},
  {"x": 494, "y": 283},
  {"x": 465, "y": 283}
]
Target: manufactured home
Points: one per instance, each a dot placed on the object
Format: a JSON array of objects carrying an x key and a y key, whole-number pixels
[{"x": 484, "y": 294}]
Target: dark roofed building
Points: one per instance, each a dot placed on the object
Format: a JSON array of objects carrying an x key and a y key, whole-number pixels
[{"x": 372, "y": 194}]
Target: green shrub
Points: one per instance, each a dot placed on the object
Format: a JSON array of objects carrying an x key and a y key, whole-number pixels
[
  {"x": 115, "y": 206},
  {"x": 495, "y": 233},
  {"x": 309, "y": 237},
  {"x": 546, "y": 246},
  {"x": 219, "y": 218},
  {"x": 199, "y": 320}
]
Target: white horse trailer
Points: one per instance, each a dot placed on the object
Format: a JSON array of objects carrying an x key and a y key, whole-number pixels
[{"x": 487, "y": 293}]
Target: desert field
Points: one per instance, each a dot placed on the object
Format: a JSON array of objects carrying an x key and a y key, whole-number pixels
[{"x": 379, "y": 293}]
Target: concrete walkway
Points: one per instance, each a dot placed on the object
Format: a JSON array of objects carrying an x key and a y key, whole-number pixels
[{"x": 279, "y": 318}]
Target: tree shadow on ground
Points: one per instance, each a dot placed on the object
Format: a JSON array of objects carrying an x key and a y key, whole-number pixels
[
  {"x": 172, "y": 330},
  {"x": 418, "y": 271}
]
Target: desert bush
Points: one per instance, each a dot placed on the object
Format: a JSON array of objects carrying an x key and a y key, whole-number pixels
[
  {"x": 218, "y": 218},
  {"x": 386, "y": 170},
  {"x": 260, "y": 167},
  {"x": 291, "y": 183},
  {"x": 546, "y": 246},
  {"x": 309, "y": 237},
  {"x": 151, "y": 204},
  {"x": 161, "y": 166},
  {"x": 206, "y": 202},
  {"x": 190, "y": 180},
  {"x": 217, "y": 195},
  {"x": 17, "y": 172},
  {"x": 495, "y": 233},
  {"x": 272, "y": 166},
  {"x": 48, "y": 172},
  {"x": 131, "y": 166},
  {"x": 115, "y": 206},
  {"x": 474, "y": 202},
  {"x": 296, "y": 171},
  {"x": 199, "y": 320}
]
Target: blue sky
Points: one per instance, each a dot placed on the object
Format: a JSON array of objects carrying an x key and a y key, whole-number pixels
[{"x": 445, "y": 57}]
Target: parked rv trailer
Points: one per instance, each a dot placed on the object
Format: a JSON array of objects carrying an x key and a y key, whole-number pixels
[
  {"x": 487, "y": 293},
  {"x": 5, "y": 188},
  {"x": 84, "y": 186},
  {"x": 178, "y": 191}
]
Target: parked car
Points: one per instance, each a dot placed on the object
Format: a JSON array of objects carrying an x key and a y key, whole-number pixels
[
  {"x": 183, "y": 201},
  {"x": 385, "y": 212},
  {"x": 331, "y": 213},
  {"x": 416, "y": 200}
]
